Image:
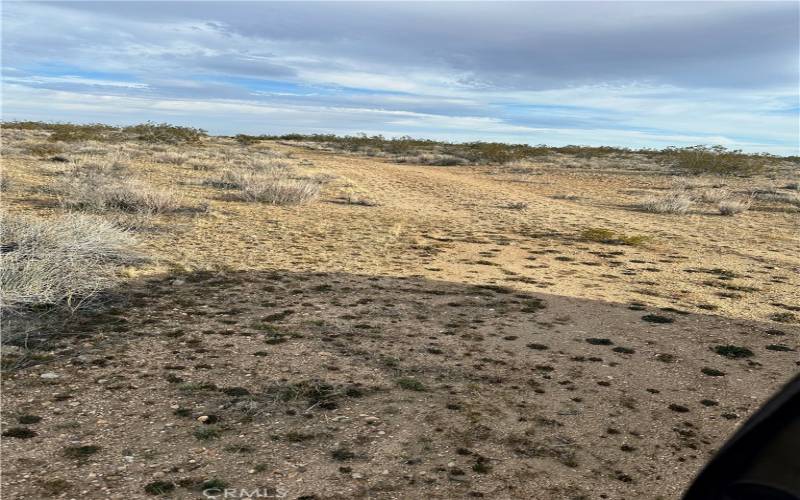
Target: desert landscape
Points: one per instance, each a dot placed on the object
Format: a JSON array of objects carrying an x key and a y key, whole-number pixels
[{"x": 317, "y": 317}]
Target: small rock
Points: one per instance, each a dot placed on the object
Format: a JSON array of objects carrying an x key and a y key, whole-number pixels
[{"x": 49, "y": 375}]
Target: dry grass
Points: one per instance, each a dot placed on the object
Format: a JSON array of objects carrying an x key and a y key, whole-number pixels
[{"x": 675, "y": 202}]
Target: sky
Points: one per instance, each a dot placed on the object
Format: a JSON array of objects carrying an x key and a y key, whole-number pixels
[{"x": 633, "y": 74}]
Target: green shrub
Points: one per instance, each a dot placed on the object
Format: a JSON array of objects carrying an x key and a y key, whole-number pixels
[
  {"x": 715, "y": 160},
  {"x": 146, "y": 132}
]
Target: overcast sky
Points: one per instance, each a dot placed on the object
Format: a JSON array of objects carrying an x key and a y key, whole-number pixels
[{"x": 640, "y": 74}]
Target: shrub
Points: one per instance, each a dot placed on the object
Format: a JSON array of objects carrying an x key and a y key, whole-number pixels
[
  {"x": 44, "y": 149},
  {"x": 777, "y": 197},
  {"x": 99, "y": 191},
  {"x": 172, "y": 157},
  {"x": 145, "y": 132},
  {"x": 352, "y": 196},
  {"x": 164, "y": 133},
  {"x": 712, "y": 195},
  {"x": 411, "y": 384},
  {"x": 267, "y": 187},
  {"x": 671, "y": 203},
  {"x": 715, "y": 160},
  {"x": 443, "y": 160},
  {"x": 733, "y": 207},
  {"x": 279, "y": 191},
  {"x": 60, "y": 262}
]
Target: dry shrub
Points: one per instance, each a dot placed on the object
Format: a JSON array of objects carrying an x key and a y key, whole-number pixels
[
  {"x": 171, "y": 157},
  {"x": 774, "y": 196},
  {"x": 352, "y": 196},
  {"x": 268, "y": 185},
  {"x": 279, "y": 191},
  {"x": 670, "y": 203},
  {"x": 733, "y": 207},
  {"x": 202, "y": 165},
  {"x": 43, "y": 149},
  {"x": 567, "y": 196},
  {"x": 97, "y": 189},
  {"x": 443, "y": 160},
  {"x": 60, "y": 262},
  {"x": 712, "y": 195}
]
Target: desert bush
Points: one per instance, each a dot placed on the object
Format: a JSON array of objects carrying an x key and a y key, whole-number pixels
[
  {"x": 43, "y": 149},
  {"x": 793, "y": 186},
  {"x": 351, "y": 196},
  {"x": 202, "y": 165},
  {"x": 516, "y": 205},
  {"x": 98, "y": 191},
  {"x": 274, "y": 187},
  {"x": 171, "y": 157},
  {"x": 712, "y": 195},
  {"x": 568, "y": 197},
  {"x": 775, "y": 196},
  {"x": 733, "y": 207},
  {"x": 164, "y": 133},
  {"x": 715, "y": 160},
  {"x": 64, "y": 262},
  {"x": 279, "y": 191},
  {"x": 146, "y": 132},
  {"x": 443, "y": 160},
  {"x": 670, "y": 203}
]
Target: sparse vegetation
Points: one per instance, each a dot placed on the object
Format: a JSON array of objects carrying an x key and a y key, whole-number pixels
[
  {"x": 273, "y": 186},
  {"x": 146, "y": 132},
  {"x": 670, "y": 203},
  {"x": 441, "y": 332}
]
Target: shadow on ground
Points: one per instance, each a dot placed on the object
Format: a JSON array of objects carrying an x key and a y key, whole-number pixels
[{"x": 331, "y": 385}]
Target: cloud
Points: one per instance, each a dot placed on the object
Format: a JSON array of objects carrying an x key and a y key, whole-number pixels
[{"x": 643, "y": 72}]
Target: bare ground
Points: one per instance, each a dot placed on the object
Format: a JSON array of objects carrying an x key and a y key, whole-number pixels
[{"x": 437, "y": 345}]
